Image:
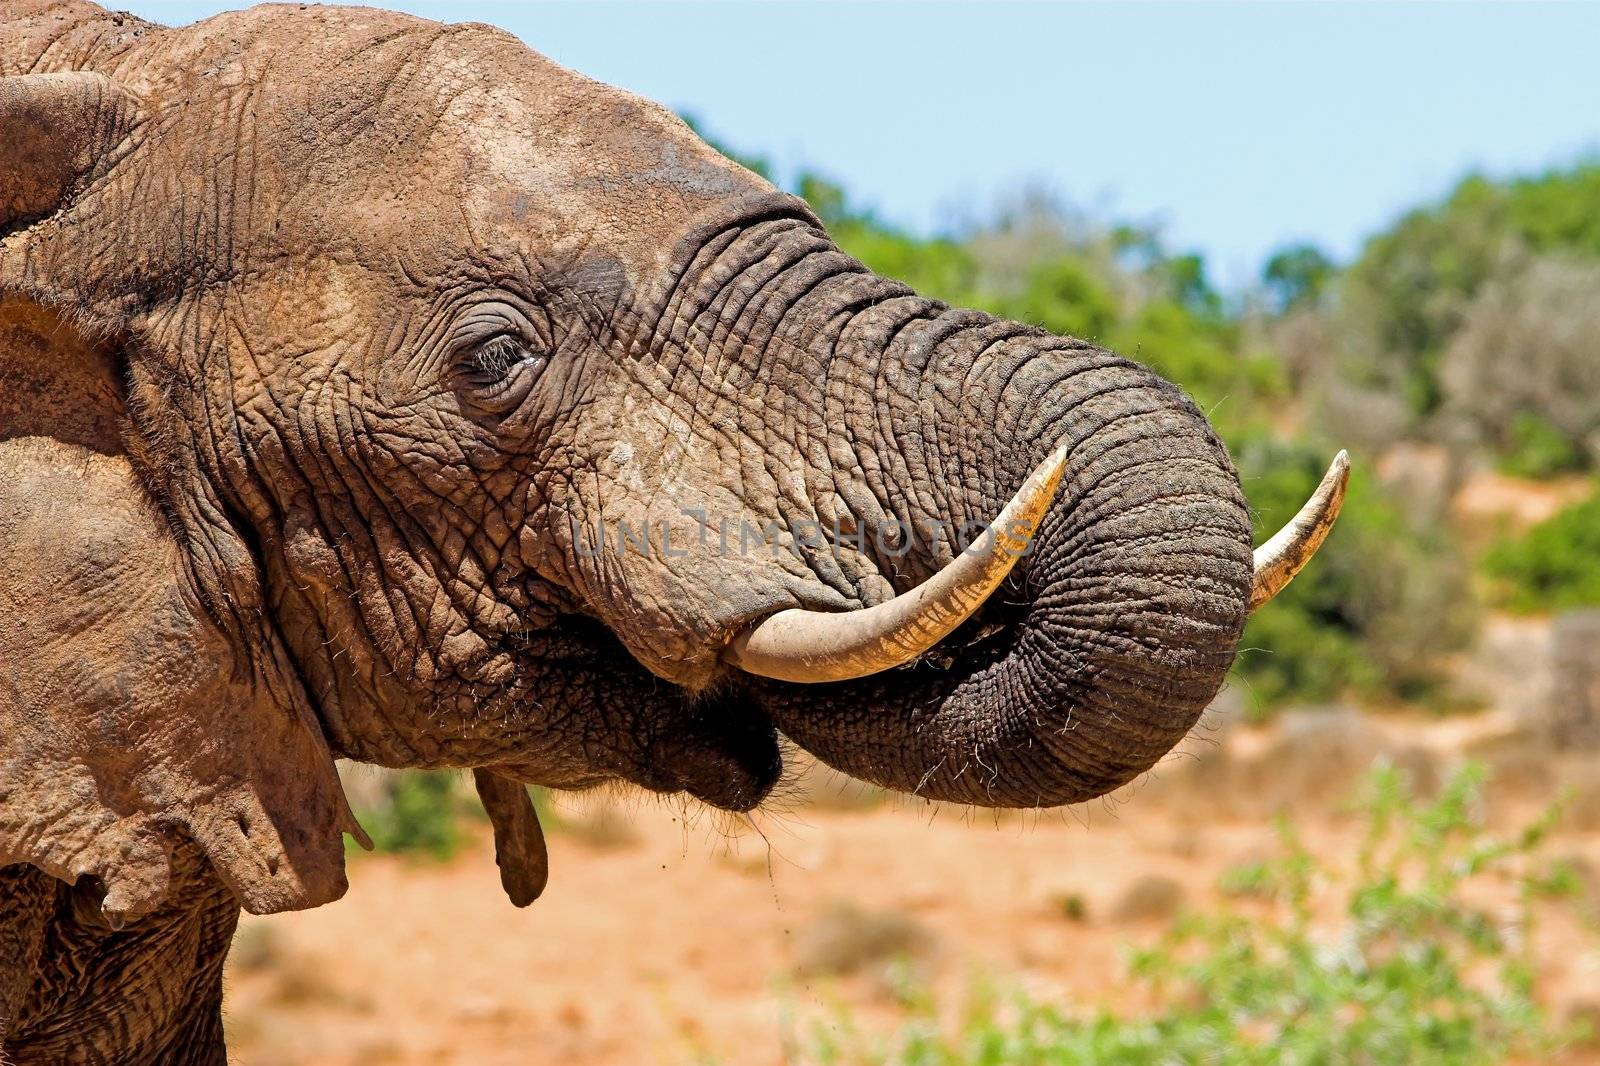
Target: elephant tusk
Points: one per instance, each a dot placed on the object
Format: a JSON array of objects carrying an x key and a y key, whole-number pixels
[
  {"x": 1281, "y": 558},
  {"x": 816, "y": 646}
]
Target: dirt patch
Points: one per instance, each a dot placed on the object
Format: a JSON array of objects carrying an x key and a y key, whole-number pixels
[
  {"x": 1492, "y": 500},
  {"x": 695, "y": 939}
]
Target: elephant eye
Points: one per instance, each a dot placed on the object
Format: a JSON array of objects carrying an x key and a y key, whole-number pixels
[{"x": 499, "y": 372}]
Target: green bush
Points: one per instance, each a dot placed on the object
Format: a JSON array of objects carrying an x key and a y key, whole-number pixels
[
  {"x": 1296, "y": 276},
  {"x": 421, "y": 815},
  {"x": 940, "y": 269},
  {"x": 1537, "y": 449},
  {"x": 1555, "y": 565},
  {"x": 1064, "y": 296},
  {"x": 1417, "y": 969}
]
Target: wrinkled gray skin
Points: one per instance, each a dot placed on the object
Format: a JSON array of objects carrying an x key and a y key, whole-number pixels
[{"x": 249, "y": 336}]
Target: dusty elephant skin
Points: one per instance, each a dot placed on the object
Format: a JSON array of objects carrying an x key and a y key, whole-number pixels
[{"x": 328, "y": 341}]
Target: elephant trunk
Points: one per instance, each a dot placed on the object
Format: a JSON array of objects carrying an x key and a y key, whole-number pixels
[{"x": 917, "y": 424}]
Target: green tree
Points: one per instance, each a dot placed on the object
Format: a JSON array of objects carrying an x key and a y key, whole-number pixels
[
  {"x": 1297, "y": 276},
  {"x": 1410, "y": 288}
]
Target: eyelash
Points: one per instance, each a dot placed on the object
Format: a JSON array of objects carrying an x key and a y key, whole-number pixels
[{"x": 491, "y": 362}]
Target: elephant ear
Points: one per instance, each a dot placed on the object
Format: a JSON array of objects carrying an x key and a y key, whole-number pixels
[
  {"x": 136, "y": 716},
  {"x": 56, "y": 132},
  {"x": 128, "y": 724}
]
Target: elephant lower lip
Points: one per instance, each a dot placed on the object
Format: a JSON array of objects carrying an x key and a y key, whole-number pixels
[{"x": 725, "y": 753}]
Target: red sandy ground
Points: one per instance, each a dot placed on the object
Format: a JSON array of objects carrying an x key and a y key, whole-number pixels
[{"x": 681, "y": 945}]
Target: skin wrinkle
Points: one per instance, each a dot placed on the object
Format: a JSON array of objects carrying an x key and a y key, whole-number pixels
[
  {"x": 763, "y": 258},
  {"x": 839, "y": 409},
  {"x": 671, "y": 314},
  {"x": 165, "y": 942},
  {"x": 428, "y": 628},
  {"x": 415, "y": 578},
  {"x": 873, "y": 351},
  {"x": 752, "y": 280},
  {"x": 767, "y": 305},
  {"x": 759, "y": 254}
]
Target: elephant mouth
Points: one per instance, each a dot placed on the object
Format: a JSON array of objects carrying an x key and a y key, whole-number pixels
[
  {"x": 726, "y": 753},
  {"x": 716, "y": 745},
  {"x": 724, "y": 747},
  {"x": 727, "y": 750}
]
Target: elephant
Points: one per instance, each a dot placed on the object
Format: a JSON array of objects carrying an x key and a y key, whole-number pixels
[{"x": 376, "y": 389}]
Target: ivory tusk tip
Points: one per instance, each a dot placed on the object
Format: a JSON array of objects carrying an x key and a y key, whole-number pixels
[{"x": 1291, "y": 548}]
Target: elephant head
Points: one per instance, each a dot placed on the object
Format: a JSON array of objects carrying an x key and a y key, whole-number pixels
[{"x": 491, "y": 419}]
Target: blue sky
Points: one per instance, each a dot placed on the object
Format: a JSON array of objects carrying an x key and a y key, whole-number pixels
[{"x": 1237, "y": 126}]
